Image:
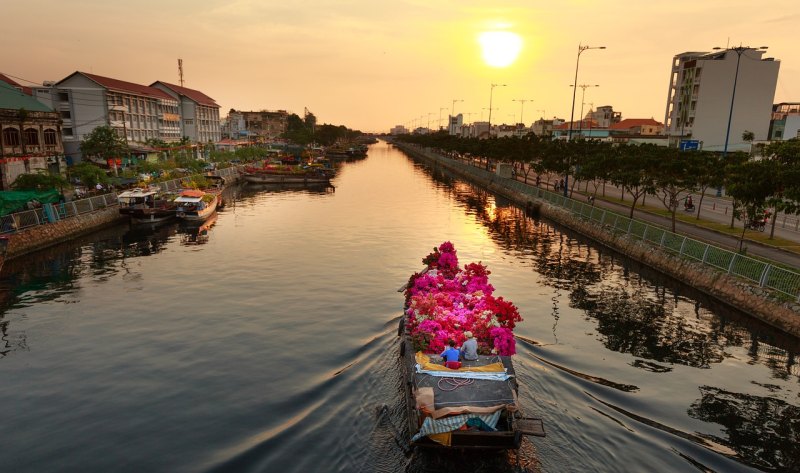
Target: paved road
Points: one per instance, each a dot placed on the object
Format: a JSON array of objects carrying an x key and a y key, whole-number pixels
[{"x": 715, "y": 209}]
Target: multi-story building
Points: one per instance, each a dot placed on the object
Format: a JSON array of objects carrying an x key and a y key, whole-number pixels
[
  {"x": 701, "y": 89},
  {"x": 785, "y": 123},
  {"x": 542, "y": 127},
  {"x": 455, "y": 123},
  {"x": 86, "y": 101},
  {"x": 398, "y": 130},
  {"x": 264, "y": 125},
  {"x": 30, "y": 136},
  {"x": 199, "y": 113},
  {"x": 604, "y": 116}
]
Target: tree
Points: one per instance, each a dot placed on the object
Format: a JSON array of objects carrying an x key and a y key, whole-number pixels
[
  {"x": 673, "y": 175},
  {"x": 39, "y": 181},
  {"x": 88, "y": 174},
  {"x": 751, "y": 185},
  {"x": 634, "y": 171},
  {"x": 104, "y": 142}
]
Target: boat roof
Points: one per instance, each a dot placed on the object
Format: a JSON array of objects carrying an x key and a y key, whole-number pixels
[
  {"x": 192, "y": 193},
  {"x": 138, "y": 192},
  {"x": 188, "y": 199}
]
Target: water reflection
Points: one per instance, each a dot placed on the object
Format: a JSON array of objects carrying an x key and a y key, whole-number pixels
[
  {"x": 197, "y": 234},
  {"x": 642, "y": 313},
  {"x": 765, "y": 432}
]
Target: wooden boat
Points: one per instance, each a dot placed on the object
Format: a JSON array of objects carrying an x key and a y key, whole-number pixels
[
  {"x": 149, "y": 205},
  {"x": 472, "y": 407},
  {"x": 3, "y": 249},
  {"x": 195, "y": 205},
  {"x": 273, "y": 174}
]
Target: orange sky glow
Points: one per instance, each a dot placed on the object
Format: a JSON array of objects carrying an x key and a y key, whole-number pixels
[{"x": 370, "y": 65}]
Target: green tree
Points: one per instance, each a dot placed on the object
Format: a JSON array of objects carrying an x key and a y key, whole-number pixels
[
  {"x": 104, "y": 142},
  {"x": 751, "y": 184},
  {"x": 634, "y": 171},
  {"x": 88, "y": 174},
  {"x": 41, "y": 180},
  {"x": 674, "y": 174}
]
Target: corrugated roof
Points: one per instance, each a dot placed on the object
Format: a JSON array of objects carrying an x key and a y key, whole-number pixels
[
  {"x": 128, "y": 87},
  {"x": 634, "y": 122},
  {"x": 195, "y": 95},
  {"x": 13, "y": 99}
]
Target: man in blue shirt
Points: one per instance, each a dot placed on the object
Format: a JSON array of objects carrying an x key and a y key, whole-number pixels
[{"x": 450, "y": 356}]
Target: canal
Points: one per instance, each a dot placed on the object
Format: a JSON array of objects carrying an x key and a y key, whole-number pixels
[{"x": 268, "y": 343}]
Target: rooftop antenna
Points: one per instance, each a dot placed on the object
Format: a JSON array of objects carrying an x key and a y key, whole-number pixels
[{"x": 180, "y": 70}]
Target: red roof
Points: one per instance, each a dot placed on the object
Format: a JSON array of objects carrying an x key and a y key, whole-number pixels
[
  {"x": 629, "y": 123},
  {"x": 195, "y": 95},
  {"x": 129, "y": 87},
  {"x": 16, "y": 85},
  {"x": 580, "y": 124}
]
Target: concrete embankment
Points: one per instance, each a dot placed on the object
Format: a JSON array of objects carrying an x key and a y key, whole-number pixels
[
  {"x": 740, "y": 294},
  {"x": 42, "y": 236}
]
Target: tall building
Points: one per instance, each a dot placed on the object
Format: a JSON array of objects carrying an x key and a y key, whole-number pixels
[
  {"x": 199, "y": 112},
  {"x": 86, "y": 101},
  {"x": 785, "y": 123},
  {"x": 604, "y": 116},
  {"x": 454, "y": 124},
  {"x": 264, "y": 125},
  {"x": 701, "y": 88}
]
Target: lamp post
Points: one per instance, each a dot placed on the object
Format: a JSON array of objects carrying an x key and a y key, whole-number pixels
[
  {"x": 491, "y": 91},
  {"x": 521, "y": 107},
  {"x": 453, "y": 107},
  {"x": 583, "y": 95},
  {"x": 440, "y": 116},
  {"x": 581, "y": 49},
  {"x": 739, "y": 50}
]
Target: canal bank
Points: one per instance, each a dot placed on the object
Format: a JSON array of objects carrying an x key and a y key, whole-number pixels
[{"x": 753, "y": 299}]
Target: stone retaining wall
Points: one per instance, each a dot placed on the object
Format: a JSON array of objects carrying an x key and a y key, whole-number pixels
[
  {"x": 731, "y": 290},
  {"x": 42, "y": 236}
]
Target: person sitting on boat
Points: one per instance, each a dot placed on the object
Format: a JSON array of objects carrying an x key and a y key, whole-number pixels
[
  {"x": 469, "y": 350},
  {"x": 450, "y": 356}
]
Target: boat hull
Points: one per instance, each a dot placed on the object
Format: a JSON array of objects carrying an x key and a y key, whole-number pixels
[
  {"x": 198, "y": 215},
  {"x": 261, "y": 178}
]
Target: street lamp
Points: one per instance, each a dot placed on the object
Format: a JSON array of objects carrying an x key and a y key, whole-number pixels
[
  {"x": 491, "y": 91},
  {"x": 521, "y": 107},
  {"x": 739, "y": 50},
  {"x": 583, "y": 95},
  {"x": 440, "y": 116},
  {"x": 453, "y": 107},
  {"x": 581, "y": 49}
]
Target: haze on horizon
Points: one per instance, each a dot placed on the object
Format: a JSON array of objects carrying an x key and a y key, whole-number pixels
[{"x": 372, "y": 65}]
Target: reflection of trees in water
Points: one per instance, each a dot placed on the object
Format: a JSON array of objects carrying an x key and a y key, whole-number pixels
[
  {"x": 764, "y": 431},
  {"x": 642, "y": 312}
]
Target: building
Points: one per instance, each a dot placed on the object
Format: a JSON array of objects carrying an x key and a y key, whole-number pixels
[
  {"x": 86, "y": 101},
  {"x": 542, "y": 127},
  {"x": 15, "y": 84},
  {"x": 701, "y": 88},
  {"x": 582, "y": 129},
  {"x": 454, "y": 124},
  {"x": 637, "y": 126},
  {"x": 398, "y": 130},
  {"x": 785, "y": 123},
  {"x": 199, "y": 113},
  {"x": 30, "y": 136},
  {"x": 264, "y": 125},
  {"x": 604, "y": 116}
]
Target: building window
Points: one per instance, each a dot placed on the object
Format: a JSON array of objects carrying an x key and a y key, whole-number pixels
[
  {"x": 67, "y": 131},
  {"x": 63, "y": 97},
  {"x": 11, "y": 137},
  {"x": 50, "y": 137},
  {"x": 188, "y": 121},
  {"x": 66, "y": 114},
  {"x": 31, "y": 136}
]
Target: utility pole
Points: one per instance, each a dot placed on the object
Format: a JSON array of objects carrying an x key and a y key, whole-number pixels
[{"x": 180, "y": 70}]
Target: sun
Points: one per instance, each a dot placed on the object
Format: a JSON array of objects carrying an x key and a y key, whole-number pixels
[{"x": 500, "y": 48}]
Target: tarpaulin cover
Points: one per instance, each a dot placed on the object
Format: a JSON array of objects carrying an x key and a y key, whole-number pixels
[{"x": 16, "y": 201}]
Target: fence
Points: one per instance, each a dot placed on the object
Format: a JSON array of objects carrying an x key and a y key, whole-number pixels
[
  {"x": 756, "y": 271},
  {"x": 52, "y": 212}
]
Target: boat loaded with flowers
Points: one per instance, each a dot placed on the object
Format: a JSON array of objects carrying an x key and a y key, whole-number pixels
[
  {"x": 284, "y": 174},
  {"x": 196, "y": 205},
  {"x": 474, "y": 406},
  {"x": 147, "y": 205}
]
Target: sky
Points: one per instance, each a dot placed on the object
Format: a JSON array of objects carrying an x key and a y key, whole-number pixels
[{"x": 374, "y": 64}]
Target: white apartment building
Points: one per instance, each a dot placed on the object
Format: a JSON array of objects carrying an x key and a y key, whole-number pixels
[
  {"x": 701, "y": 87},
  {"x": 199, "y": 113},
  {"x": 87, "y": 101},
  {"x": 454, "y": 124}
]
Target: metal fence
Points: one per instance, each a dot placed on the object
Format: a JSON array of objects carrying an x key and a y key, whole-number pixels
[
  {"x": 53, "y": 212},
  {"x": 756, "y": 271}
]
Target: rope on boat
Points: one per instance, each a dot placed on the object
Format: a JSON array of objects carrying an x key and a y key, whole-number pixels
[{"x": 451, "y": 384}]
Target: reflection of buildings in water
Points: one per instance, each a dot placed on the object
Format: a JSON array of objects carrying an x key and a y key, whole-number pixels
[
  {"x": 764, "y": 431},
  {"x": 639, "y": 311},
  {"x": 197, "y": 235}
]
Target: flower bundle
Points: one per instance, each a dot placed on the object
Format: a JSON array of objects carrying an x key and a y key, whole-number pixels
[{"x": 445, "y": 301}]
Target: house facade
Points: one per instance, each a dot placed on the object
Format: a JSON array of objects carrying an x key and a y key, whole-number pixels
[
  {"x": 199, "y": 113},
  {"x": 701, "y": 90},
  {"x": 30, "y": 136},
  {"x": 785, "y": 122}
]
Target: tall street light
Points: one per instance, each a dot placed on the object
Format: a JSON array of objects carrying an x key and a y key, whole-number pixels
[
  {"x": 453, "y": 107},
  {"x": 491, "y": 91},
  {"x": 440, "y": 116},
  {"x": 581, "y": 49},
  {"x": 583, "y": 95},
  {"x": 521, "y": 107}
]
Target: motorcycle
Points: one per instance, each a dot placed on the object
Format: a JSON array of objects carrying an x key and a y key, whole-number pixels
[{"x": 759, "y": 225}]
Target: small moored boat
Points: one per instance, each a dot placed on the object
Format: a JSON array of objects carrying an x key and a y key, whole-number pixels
[
  {"x": 195, "y": 205},
  {"x": 475, "y": 405},
  {"x": 149, "y": 205}
]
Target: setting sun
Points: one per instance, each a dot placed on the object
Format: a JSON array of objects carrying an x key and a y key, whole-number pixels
[{"x": 499, "y": 48}]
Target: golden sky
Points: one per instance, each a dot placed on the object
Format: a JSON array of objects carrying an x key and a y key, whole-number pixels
[{"x": 373, "y": 64}]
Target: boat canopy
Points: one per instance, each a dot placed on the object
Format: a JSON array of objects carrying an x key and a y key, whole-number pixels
[
  {"x": 188, "y": 200},
  {"x": 192, "y": 193},
  {"x": 137, "y": 192}
]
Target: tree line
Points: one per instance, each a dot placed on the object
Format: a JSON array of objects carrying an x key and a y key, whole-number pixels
[{"x": 754, "y": 184}]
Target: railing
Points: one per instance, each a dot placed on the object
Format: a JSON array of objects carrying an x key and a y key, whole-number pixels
[
  {"x": 30, "y": 218},
  {"x": 756, "y": 271}
]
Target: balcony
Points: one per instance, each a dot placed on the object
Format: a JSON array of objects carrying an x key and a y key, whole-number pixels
[
  {"x": 117, "y": 123},
  {"x": 118, "y": 108}
]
